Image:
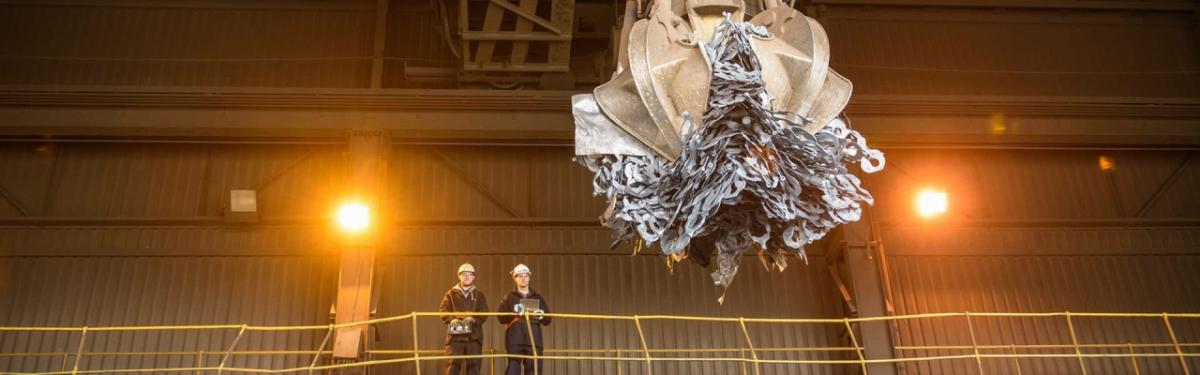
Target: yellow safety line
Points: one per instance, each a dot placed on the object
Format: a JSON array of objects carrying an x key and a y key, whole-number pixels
[
  {"x": 974, "y": 344},
  {"x": 1042, "y": 346},
  {"x": 1075, "y": 344},
  {"x": 742, "y": 360},
  {"x": 233, "y": 345},
  {"x": 1016, "y": 361},
  {"x": 637, "y": 321},
  {"x": 416, "y": 353},
  {"x": 532, "y": 343},
  {"x": 976, "y": 349},
  {"x": 753, "y": 355},
  {"x": 1133, "y": 361},
  {"x": 862, "y": 361},
  {"x": 437, "y": 351},
  {"x": 317, "y": 356},
  {"x": 607, "y": 317},
  {"x": 1167, "y": 321},
  {"x": 79, "y": 352}
]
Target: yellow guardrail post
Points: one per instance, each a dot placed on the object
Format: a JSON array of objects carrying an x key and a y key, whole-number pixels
[
  {"x": 533, "y": 344},
  {"x": 974, "y": 343},
  {"x": 199, "y": 361},
  {"x": 1171, "y": 331},
  {"x": 753, "y": 355},
  {"x": 1016, "y": 361},
  {"x": 742, "y": 354},
  {"x": 79, "y": 351},
  {"x": 862, "y": 361},
  {"x": 416, "y": 351},
  {"x": 221, "y": 367},
  {"x": 1133, "y": 360},
  {"x": 321, "y": 348},
  {"x": 619, "y": 363},
  {"x": 637, "y": 322},
  {"x": 1075, "y": 343}
]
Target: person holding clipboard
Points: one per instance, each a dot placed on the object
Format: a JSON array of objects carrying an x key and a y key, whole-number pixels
[{"x": 516, "y": 332}]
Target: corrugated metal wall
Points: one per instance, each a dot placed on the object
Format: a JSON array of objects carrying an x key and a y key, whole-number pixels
[
  {"x": 902, "y": 50},
  {"x": 297, "y": 290},
  {"x": 108, "y": 291},
  {"x": 1023, "y": 267},
  {"x": 623, "y": 285},
  {"x": 1132, "y": 283},
  {"x": 1070, "y": 241},
  {"x": 1041, "y": 184},
  {"x": 149, "y": 180},
  {"x": 181, "y": 45},
  {"x": 943, "y": 51}
]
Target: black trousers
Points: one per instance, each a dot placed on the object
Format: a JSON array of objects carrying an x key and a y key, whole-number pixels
[
  {"x": 463, "y": 366},
  {"x": 516, "y": 364}
]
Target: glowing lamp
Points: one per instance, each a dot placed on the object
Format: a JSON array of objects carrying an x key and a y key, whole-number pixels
[
  {"x": 354, "y": 217},
  {"x": 931, "y": 203}
]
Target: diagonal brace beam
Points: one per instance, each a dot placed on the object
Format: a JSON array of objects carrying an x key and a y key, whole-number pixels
[
  {"x": 526, "y": 15},
  {"x": 1165, "y": 185},
  {"x": 13, "y": 201},
  {"x": 473, "y": 182}
]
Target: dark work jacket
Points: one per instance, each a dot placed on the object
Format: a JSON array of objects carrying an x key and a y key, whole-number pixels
[
  {"x": 454, "y": 301},
  {"x": 516, "y": 330}
]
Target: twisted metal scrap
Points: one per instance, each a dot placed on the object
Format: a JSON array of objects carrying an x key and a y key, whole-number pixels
[{"x": 748, "y": 179}]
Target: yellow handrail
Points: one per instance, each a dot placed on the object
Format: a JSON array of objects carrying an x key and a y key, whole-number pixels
[{"x": 855, "y": 354}]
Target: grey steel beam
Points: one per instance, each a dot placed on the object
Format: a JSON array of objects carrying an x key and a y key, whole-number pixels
[
  {"x": 1185, "y": 6},
  {"x": 869, "y": 296},
  {"x": 380, "y": 40},
  {"x": 226, "y": 114},
  {"x": 361, "y": 5}
]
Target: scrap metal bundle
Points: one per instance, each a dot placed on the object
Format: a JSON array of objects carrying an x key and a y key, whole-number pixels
[{"x": 748, "y": 177}]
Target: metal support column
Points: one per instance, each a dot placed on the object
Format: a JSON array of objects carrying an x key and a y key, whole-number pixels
[
  {"x": 367, "y": 165},
  {"x": 866, "y": 279}
]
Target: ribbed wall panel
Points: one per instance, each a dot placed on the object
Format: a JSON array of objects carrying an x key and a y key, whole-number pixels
[
  {"x": 105, "y": 291},
  {"x": 291, "y": 180},
  {"x": 25, "y": 175},
  {"x": 159, "y": 241},
  {"x": 184, "y": 46},
  {"x": 1153, "y": 284},
  {"x": 109, "y": 181},
  {"x": 937, "y": 239},
  {"x": 146, "y": 180},
  {"x": 89, "y": 291},
  {"x": 458, "y": 182},
  {"x": 931, "y": 51},
  {"x": 622, "y": 285},
  {"x": 1029, "y": 184}
]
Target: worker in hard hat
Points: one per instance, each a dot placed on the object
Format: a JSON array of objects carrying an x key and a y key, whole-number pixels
[
  {"x": 523, "y": 301},
  {"x": 464, "y": 333}
]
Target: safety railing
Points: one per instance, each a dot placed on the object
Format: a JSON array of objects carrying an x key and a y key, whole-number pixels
[{"x": 747, "y": 355}]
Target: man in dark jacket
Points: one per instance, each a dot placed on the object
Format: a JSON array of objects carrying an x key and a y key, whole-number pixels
[
  {"x": 464, "y": 334},
  {"x": 516, "y": 332}
]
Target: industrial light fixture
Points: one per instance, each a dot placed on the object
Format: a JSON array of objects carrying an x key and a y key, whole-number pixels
[
  {"x": 242, "y": 207},
  {"x": 1106, "y": 163},
  {"x": 354, "y": 217},
  {"x": 931, "y": 203}
]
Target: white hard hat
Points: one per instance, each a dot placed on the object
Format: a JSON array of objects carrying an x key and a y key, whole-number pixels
[
  {"x": 466, "y": 267},
  {"x": 520, "y": 269}
]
